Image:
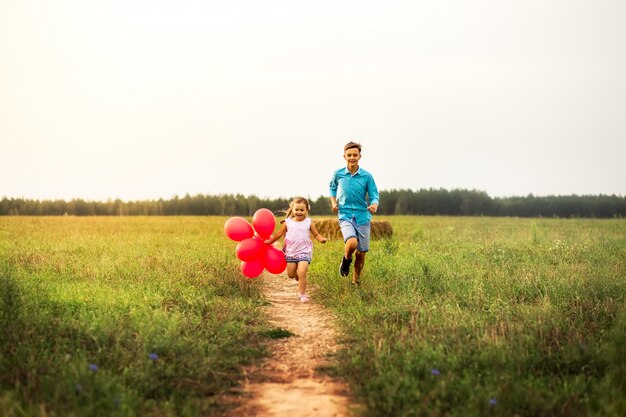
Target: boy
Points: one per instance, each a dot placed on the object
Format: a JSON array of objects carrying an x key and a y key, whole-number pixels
[{"x": 350, "y": 189}]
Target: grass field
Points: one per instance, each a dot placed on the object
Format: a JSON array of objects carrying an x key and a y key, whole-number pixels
[{"x": 456, "y": 316}]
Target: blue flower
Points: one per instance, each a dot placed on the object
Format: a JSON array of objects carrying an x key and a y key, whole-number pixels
[
  {"x": 435, "y": 371},
  {"x": 153, "y": 356},
  {"x": 93, "y": 367},
  {"x": 493, "y": 401}
]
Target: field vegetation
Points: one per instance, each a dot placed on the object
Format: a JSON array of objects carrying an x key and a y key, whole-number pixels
[
  {"x": 486, "y": 316},
  {"x": 122, "y": 316},
  {"x": 458, "y": 316}
]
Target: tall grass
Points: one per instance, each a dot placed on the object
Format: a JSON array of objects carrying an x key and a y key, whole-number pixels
[
  {"x": 484, "y": 316},
  {"x": 121, "y": 316},
  {"x": 455, "y": 316}
]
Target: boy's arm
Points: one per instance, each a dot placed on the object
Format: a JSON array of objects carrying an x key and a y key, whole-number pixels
[
  {"x": 333, "y": 193},
  {"x": 278, "y": 235},
  {"x": 372, "y": 192},
  {"x": 316, "y": 234},
  {"x": 333, "y": 204}
]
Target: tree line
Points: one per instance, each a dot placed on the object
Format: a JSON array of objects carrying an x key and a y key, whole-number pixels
[{"x": 457, "y": 202}]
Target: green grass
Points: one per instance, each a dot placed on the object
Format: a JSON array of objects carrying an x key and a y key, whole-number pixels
[
  {"x": 456, "y": 316},
  {"x": 110, "y": 292},
  {"x": 484, "y": 316}
]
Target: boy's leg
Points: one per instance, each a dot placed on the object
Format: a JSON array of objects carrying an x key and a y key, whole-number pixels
[
  {"x": 346, "y": 260},
  {"x": 361, "y": 251},
  {"x": 351, "y": 243},
  {"x": 359, "y": 262},
  {"x": 350, "y": 247},
  {"x": 303, "y": 267}
]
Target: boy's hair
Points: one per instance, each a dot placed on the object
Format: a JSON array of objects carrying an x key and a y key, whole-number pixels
[
  {"x": 351, "y": 145},
  {"x": 297, "y": 200}
]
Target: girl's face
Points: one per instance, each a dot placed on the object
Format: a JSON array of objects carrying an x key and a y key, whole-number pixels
[{"x": 299, "y": 211}]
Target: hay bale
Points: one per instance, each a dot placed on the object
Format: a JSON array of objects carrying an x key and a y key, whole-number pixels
[
  {"x": 381, "y": 229},
  {"x": 329, "y": 228}
]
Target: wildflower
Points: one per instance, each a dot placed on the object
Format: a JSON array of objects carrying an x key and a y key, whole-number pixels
[
  {"x": 493, "y": 401},
  {"x": 93, "y": 367},
  {"x": 435, "y": 371},
  {"x": 153, "y": 356}
]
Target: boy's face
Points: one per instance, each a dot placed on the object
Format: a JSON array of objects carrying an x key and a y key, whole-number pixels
[{"x": 352, "y": 157}]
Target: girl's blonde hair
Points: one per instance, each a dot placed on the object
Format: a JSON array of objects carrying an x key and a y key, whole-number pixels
[{"x": 297, "y": 200}]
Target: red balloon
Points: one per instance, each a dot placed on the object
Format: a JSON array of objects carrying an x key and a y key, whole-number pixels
[
  {"x": 238, "y": 228},
  {"x": 274, "y": 260},
  {"x": 250, "y": 249},
  {"x": 264, "y": 222},
  {"x": 252, "y": 269}
]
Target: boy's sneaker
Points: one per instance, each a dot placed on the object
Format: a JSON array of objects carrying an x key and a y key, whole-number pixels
[{"x": 344, "y": 268}]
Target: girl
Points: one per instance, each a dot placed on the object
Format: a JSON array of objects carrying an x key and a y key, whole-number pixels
[{"x": 298, "y": 246}]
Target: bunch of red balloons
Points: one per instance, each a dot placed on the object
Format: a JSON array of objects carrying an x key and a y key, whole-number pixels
[{"x": 254, "y": 253}]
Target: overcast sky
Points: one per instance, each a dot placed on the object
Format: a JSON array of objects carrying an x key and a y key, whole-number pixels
[{"x": 145, "y": 99}]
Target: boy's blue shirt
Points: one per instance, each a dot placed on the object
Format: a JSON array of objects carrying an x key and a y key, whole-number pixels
[{"x": 351, "y": 191}]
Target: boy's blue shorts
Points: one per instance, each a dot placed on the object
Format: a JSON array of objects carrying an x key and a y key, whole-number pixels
[{"x": 349, "y": 229}]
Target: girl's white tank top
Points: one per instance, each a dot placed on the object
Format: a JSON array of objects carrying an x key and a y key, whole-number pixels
[{"x": 298, "y": 238}]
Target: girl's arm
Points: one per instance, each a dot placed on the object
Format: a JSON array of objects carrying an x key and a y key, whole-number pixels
[
  {"x": 319, "y": 237},
  {"x": 278, "y": 235}
]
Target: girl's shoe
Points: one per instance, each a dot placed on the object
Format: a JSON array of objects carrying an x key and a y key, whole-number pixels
[{"x": 304, "y": 298}]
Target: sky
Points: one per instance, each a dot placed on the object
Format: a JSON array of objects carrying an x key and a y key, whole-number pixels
[{"x": 148, "y": 99}]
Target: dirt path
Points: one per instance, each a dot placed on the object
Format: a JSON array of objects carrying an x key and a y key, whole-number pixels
[{"x": 287, "y": 384}]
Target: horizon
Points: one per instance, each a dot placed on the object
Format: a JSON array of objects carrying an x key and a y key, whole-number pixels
[{"x": 180, "y": 196}]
